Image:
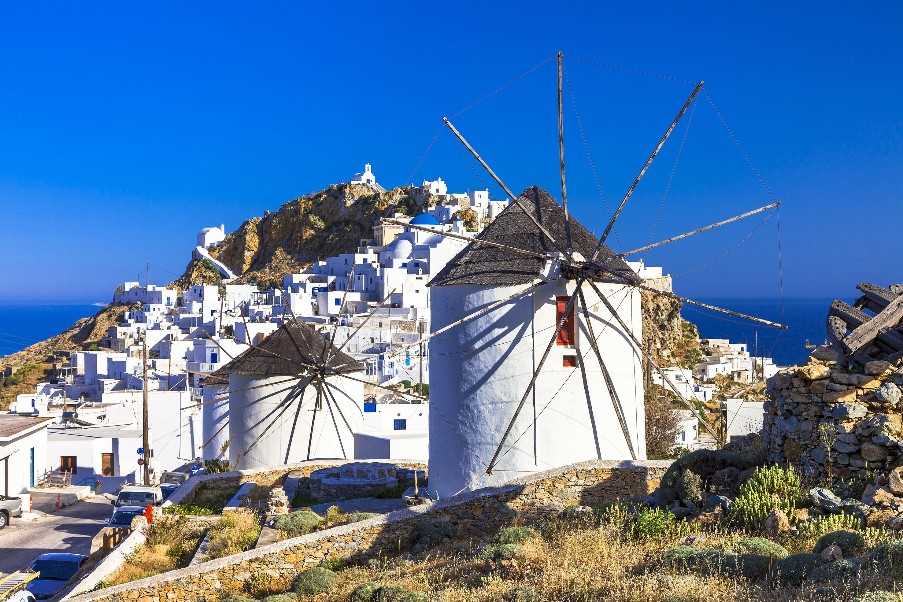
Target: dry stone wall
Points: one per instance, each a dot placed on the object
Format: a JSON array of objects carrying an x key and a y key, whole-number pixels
[
  {"x": 824, "y": 413},
  {"x": 467, "y": 517}
]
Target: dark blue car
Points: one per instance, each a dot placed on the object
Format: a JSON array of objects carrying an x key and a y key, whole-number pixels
[{"x": 54, "y": 569}]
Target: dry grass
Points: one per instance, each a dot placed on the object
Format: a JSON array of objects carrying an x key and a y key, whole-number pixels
[
  {"x": 235, "y": 532},
  {"x": 584, "y": 565},
  {"x": 170, "y": 545}
]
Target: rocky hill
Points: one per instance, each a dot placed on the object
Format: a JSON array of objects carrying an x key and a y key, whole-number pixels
[
  {"x": 33, "y": 364},
  {"x": 305, "y": 229}
]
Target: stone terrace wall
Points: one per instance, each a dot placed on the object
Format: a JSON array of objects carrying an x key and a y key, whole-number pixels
[
  {"x": 822, "y": 405},
  {"x": 473, "y": 516}
]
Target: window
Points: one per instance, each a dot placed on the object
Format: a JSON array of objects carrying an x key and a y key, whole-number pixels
[
  {"x": 338, "y": 301},
  {"x": 400, "y": 424},
  {"x": 566, "y": 336},
  {"x": 569, "y": 361},
  {"x": 68, "y": 463}
]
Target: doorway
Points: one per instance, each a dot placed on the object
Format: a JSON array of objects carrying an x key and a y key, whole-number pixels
[
  {"x": 106, "y": 465},
  {"x": 69, "y": 464}
]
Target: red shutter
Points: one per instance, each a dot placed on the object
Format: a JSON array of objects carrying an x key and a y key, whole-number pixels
[{"x": 566, "y": 334}]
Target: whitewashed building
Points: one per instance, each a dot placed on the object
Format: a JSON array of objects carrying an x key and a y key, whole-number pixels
[{"x": 23, "y": 452}]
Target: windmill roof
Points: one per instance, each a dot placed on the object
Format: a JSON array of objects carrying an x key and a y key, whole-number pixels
[
  {"x": 288, "y": 352},
  {"x": 482, "y": 265}
]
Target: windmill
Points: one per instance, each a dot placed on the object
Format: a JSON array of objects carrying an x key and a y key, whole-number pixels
[
  {"x": 533, "y": 300},
  {"x": 534, "y": 277}
]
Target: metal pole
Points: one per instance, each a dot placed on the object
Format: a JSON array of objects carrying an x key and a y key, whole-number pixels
[{"x": 145, "y": 427}]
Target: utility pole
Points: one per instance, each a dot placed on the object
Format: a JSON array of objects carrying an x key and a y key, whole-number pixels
[
  {"x": 145, "y": 429},
  {"x": 420, "y": 333}
]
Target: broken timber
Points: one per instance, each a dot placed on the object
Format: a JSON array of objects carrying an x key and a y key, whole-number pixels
[{"x": 871, "y": 327}]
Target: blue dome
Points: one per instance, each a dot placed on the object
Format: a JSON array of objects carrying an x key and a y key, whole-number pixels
[{"x": 424, "y": 219}]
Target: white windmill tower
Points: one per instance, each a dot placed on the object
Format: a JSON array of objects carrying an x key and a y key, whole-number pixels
[
  {"x": 295, "y": 367},
  {"x": 533, "y": 300}
]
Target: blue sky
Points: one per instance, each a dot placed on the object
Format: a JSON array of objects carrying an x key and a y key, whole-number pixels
[{"x": 124, "y": 130}]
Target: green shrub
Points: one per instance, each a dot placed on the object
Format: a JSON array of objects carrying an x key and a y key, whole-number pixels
[
  {"x": 300, "y": 522},
  {"x": 769, "y": 488},
  {"x": 281, "y": 598},
  {"x": 515, "y": 535},
  {"x": 815, "y": 528},
  {"x": 760, "y": 546},
  {"x": 838, "y": 570},
  {"x": 316, "y": 580},
  {"x": 850, "y": 543},
  {"x": 498, "y": 551},
  {"x": 688, "y": 486},
  {"x": 889, "y": 557},
  {"x": 363, "y": 593},
  {"x": 188, "y": 510},
  {"x": 652, "y": 522},
  {"x": 755, "y": 566},
  {"x": 678, "y": 557},
  {"x": 235, "y": 532},
  {"x": 796, "y": 568}
]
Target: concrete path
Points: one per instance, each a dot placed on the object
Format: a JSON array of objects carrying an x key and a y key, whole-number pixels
[{"x": 69, "y": 530}]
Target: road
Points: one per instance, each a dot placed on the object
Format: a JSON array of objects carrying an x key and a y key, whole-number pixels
[{"x": 69, "y": 530}]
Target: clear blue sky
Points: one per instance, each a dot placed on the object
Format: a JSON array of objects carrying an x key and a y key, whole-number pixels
[{"x": 123, "y": 131}]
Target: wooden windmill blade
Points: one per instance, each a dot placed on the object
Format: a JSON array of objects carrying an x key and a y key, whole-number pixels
[
  {"x": 561, "y": 166},
  {"x": 636, "y": 181}
]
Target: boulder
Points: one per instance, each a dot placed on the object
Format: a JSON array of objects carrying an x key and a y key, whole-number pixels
[
  {"x": 824, "y": 499},
  {"x": 888, "y": 393},
  {"x": 876, "y": 367},
  {"x": 777, "y": 523},
  {"x": 872, "y": 453},
  {"x": 849, "y": 409},
  {"x": 813, "y": 371},
  {"x": 846, "y": 447},
  {"x": 895, "y": 480},
  {"x": 878, "y": 496},
  {"x": 831, "y": 553}
]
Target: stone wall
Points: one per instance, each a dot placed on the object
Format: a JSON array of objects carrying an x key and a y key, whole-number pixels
[
  {"x": 824, "y": 412},
  {"x": 472, "y": 516}
]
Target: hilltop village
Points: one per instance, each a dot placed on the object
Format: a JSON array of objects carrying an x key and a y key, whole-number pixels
[{"x": 85, "y": 418}]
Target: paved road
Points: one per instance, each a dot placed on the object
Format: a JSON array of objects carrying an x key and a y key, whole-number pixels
[{"x": 69, "y": 530}]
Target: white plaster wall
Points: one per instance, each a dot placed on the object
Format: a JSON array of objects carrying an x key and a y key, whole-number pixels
[
  {"x": 481, "y": 369},
  {"x": 255, "y": 414},
  {"x": 215, "y": 420},
  {"x": 18, "y": 453}
]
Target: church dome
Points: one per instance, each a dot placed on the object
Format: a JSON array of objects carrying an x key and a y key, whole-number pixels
[
  {"x": 400, "y": 248},
  {"x": 424, "y": 219}
]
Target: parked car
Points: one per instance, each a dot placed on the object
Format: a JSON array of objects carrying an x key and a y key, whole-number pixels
[
  {"x": 9, "y": 507},
  {"x": 168, "y": 489},
  {"x": 135, "y": 495},
  {"x": 123, "y": 515},
  {"x": 23, "y": 595},
  {"x": 55, "y": 570}
]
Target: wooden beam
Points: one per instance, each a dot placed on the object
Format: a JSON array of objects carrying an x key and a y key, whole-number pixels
[
  {"x": 854, "y": 317},
  {"x": 837, "y": 330},
  {"x": 876, "y": 296},
  {"x": 882, "y": 323}
]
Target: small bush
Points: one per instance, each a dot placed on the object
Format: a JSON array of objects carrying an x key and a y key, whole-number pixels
[
  {"x": 391, "y": 593},
  {"x": 498, "y": 551},
  {"x": 821, "y": 525},
  {"x": 755, "y": 566},
  {"x": 688, "y": 487},
  {"x": 652, "y": 522},
  {"x": 796, "y": 568},
  {"x": 523, "y": 593},
  {"x": 838, "y": 570},
  {"x": 261, "y": 585},
  {"x": 850, "y": 543},
  {"x": 188, "y": 510},
  {"x": 889, "y": 557},
  {"x": 301, "y": 522},
  {"x": 314, "y": 581},
  {"x": 769, "y": 488},
  {"x": 363, "y": 593},
  {"x": 281, "y": 598},
  {"x": 515, "y": 535},
  {"x": 760, "y": 546}
]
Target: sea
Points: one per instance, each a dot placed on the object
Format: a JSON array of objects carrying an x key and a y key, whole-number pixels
[
  {"x": 805, "y": 319},
  {"x": 22, "y": 325}
]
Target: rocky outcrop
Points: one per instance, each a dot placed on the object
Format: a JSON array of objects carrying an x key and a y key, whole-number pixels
[
  {"x": 315, "y": 226},
  {"x": 670, "y": 339},
  {"x": 828, "y": 418}
]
